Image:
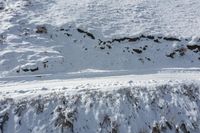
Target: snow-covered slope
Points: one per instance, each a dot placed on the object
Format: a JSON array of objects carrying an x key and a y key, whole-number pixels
[
  {"x": 56, "y": 56},
  {"x": 113, "y": 17},
  {"x": 40, "y": 37},
  {"x": 158, "y": 103}
]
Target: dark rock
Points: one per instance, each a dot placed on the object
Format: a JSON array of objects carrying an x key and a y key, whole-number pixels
[
  {"x": 68, "y": 34},
  {"x": 156, "y": 40},
  {"x": 183, "y": 128},
  {"x": 41, "y": 29},
  {"x": 193, "y": 47},
  {"x": 25, "y": 69},
  {"x": 45, "y": 64},
  {"x": 145, "y": 47},
  {"x": 109, "y": 46},
  {"x": 20, "y": 108},
  {"x": 62, "y": 29},
  {"x": 134, "y": 39},
  {"x": 100, "y": 41},
  {"x": 102, "y": 47},
  {"x": 150, "y": 37},
  {"x": 181, "y": 51},
  {"x": 87, "y": 33},
  {"x": 39, "y": 108},
  {"x": 171, "y": 39},
  {"x": 34, "y": 69},
  {"x": 148, "y": 58},
  {"x": 168, "y": 125},
  {"x": 63, "y": 122},
  {"x": 156, "y": 129},
  {"x": 126, "y": 39},
  {"x": 171, "y": 55},
  {"x": 4, "y": 118},
  {"x": 142, "y": 36},
  {"x": 18, "y": 71},
  {"x": 114, "y": 130},
  {"x": 137, "y": 51},
  {"x": 2, "y": 6}
]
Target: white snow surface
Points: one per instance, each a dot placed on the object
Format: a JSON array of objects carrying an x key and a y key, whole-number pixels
[
  {"x": 121, "y": 104},
  {"x": 107, "y": 66},
  {"x": 116, "y": 17},
  {"x": 91, "y": 34}
]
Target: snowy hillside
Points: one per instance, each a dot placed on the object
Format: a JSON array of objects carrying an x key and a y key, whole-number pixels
[
  {"x": 158, "y": 103},
  {"x": 99, "y": 66},
  {"x": 65, "y": 36}
]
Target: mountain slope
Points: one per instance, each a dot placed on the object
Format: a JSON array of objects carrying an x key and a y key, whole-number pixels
[
  {"x": 64, "y": 36},
  {"x": 108, "y": 66},
  {"x": 164, "y": 103}
]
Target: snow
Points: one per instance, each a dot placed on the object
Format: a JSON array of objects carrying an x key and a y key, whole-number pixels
[
  {"x": 105, "y": 35},
  {"x": 88, "y": 66},
  {"x": 21, "y": 88},
  {"x": 129, "y": 103},
  {"x": 122, "y": 17}
]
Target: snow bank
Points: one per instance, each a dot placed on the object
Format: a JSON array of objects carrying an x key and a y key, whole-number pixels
[{"x": 171, "y": 107}]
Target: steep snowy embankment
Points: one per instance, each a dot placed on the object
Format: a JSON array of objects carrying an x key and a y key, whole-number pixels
[{"x": 158, "y": 103}]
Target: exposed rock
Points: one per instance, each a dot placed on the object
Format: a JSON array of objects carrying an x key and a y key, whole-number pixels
[
  {"x": 171, "y": 39},
  {"x": 34, "y": 69},
  {"x": 183, "y": 128},
  {"x": 87, "y": 33},
  {"x": 150, "y": 37},
  {"x": 171, "y": 55},
  {"x": 137, "y": 51},
  {"x": 3, "y": 119},
  {"x": 41, "y": 29},
  {"x": 193, "y": 47},
  {"x": 2, "y": 6},
  {"x": 156, "y": 129}
]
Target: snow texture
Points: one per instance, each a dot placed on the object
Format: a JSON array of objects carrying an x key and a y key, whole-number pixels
[
  {"x": 153, "y": 107},
  {"x": 48, "y": 37},
  {"x": 99, "y": 66}
]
